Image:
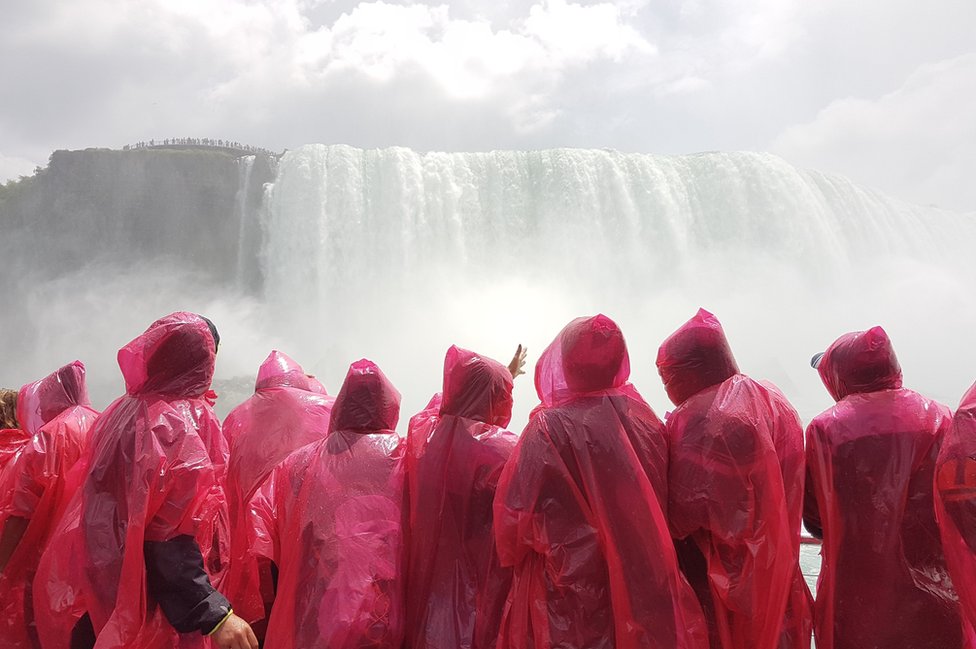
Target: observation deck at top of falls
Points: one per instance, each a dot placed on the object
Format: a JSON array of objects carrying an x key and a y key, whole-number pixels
[{"x": 235, "y": 149}]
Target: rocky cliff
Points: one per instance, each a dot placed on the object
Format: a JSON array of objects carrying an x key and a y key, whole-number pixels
[{"x": 189, "y": 206}]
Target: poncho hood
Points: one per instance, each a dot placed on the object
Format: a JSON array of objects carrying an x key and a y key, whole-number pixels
[
  {"x": 174, "y": 357},
  {"x": 858, "y": 362},
  {"x": 695, "y": 357},
  {"x": 476, "y": 388}
]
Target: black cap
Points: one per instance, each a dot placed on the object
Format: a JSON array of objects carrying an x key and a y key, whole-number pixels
[
  {"x": 815, "y": 361},
  {"x": 213, "y": 331}
]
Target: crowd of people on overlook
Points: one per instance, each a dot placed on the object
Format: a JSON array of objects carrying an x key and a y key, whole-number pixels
[
  {"x": 197, "y": 142},
  {"x": 306, "y": 521}
]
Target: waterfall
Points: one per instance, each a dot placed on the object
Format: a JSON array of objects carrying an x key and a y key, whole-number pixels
[
  {"x": 393, "y": 249},
  {"x": 246, "y": 226},
  {"x": 581, "y": 213},
  {"x": 334, "y": 253}
]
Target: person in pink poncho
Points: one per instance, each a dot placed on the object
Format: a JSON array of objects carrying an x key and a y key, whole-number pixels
[
  {"x": 578, "y": 516},
  {"x": 34, "y": 492},
  {"x": 734, "y": 442},
  {"x": 289, "y": 409},
  {"x": 339, "y": 528},
  {"x": 136, "y": 553},
  {"x": 455, "y": 585},
  {"x": 955, "y": 507},
  {"x": 871, "y": 464}
]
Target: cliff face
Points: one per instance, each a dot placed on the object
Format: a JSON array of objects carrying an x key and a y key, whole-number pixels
[{"x": 185, "y": 206}]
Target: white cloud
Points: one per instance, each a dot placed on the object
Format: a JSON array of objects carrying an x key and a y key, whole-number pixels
[
  {"x": 918, "y": 142},
  {"x": 12, "y": 167},
  {"x": 664, "y": 76},
  {"x": 467, "y": 58},
  {"x": 573, "y": 33},
  {"x": 226, "y": 53}
]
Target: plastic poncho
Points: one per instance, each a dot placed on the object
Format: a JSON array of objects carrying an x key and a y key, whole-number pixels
[
  {"x": 787, "y": 431},
  {"x": 149, "y": 476},
  {"x": 726, "y": 487},
  {"x": 576, "y": 514},
  {"x": 34, "y": 489},
  {"x": 287, "y": 411},
  {"x": 12, "y": 440},
  {"x": 340, "y": 526},
  {"x": 431, "y": 410},
  {"x": 871, "y": 461},
  {"x": 455, "y": 586},
  {"x": 955, "y": 506},
  {"x": 37, "y": 404}
]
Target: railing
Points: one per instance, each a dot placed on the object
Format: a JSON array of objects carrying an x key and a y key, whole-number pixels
[{"x": 194, "y": 142}]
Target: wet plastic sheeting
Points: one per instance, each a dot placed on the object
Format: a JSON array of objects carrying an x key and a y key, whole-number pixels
[
  {"x": 733, "y": 442},
  {"x": 339, "y": 530},
  {"x": 871, "y": 461},
  {"x": 150, "y": 476},
  {"x": 456, "y": 586},
  {"x": 34, "y": 488},
  {"x": 955, "y": 505},
  {"x": 576, "y": 514},
  {"x": 287, "y": 411}
]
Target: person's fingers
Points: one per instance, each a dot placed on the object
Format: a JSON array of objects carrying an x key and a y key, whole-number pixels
[{"x": 252, "y": 639}]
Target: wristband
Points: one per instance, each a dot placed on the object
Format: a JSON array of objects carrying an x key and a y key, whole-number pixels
[{"x": 218, "y": 625}]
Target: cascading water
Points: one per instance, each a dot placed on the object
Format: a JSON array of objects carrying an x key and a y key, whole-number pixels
[
  {"x": 398, "y": 254},
  {"x": 395, "y": 255},
  {"x": 247, "y": 238}
]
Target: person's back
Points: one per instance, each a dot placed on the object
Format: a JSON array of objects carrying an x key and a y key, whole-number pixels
[
  {"x": 287, "y": 411},
  {"x": 726, "y": 491},
  {"x": 456, "y": 587},
  {"x": 136, "y": 552},
  {"x": 576, "y": 514},
  {"x": 786, "y": 431},
  {"x": 870, "y": 461},
  {"x": 955, "y": 506},
  {"x": 35, "y": 491},
  {"x": 339, "y": 533}
]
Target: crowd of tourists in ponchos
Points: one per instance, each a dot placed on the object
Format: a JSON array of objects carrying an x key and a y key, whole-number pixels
[{"x": 305, "y": 521}]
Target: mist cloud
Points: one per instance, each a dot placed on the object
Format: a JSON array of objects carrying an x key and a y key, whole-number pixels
[{"x": 916, "y": 141}]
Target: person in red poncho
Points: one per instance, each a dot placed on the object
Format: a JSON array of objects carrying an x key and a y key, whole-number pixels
[
  {"x": 870, "y": 463},
  {"x": 34, "y": 492},
  {"x": 955, "y": 507},
  {"x": 288, "y": 410},
  {"x": 578, "y": 512},
  {"x": 339, "y": 530},
  {"x": 132, "y": 561},
  {"x": 733, "y": 442},
  {"x": 455, "y": 585}
]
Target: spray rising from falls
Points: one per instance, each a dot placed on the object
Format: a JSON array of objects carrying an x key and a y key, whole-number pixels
[
  {"x": 402, "y": 248},
  {"x": 333, "y": 253}
]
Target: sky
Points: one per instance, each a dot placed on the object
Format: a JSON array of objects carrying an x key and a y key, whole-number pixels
[{"x": 882, "y": 91}]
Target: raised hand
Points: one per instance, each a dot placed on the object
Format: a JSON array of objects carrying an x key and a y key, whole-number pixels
[{"x": 518, "y": 361}]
